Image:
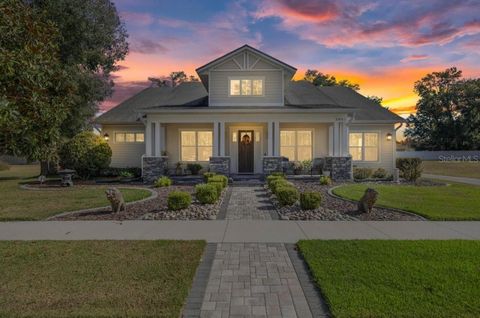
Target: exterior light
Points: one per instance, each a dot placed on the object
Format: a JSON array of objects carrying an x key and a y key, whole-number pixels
[
  {"x": 106, "y": 137},
  {"x": 389, "y": 136},
  {"x": 234, "y": 137}
]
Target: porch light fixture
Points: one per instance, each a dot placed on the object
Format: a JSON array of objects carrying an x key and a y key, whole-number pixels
[
  {"x": 234, "y": 137},
  {"x": 106, "y": 137},
  {"x": 389, "y": 136},
  {"x": 257, "y": 136}
]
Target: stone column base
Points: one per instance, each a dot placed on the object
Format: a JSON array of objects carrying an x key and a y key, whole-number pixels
[
  {"x": 153, "y": 168},
  {"x": 274, "y": 164},
  {"x": 220, "y": 165},
  {"x": 340, "y": 168}
]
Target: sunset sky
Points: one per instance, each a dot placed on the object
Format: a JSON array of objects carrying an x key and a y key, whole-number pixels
[{"x": 385, "y": 46}]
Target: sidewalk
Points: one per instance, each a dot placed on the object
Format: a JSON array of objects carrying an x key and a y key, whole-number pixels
[{"x": 238, "y": 231}]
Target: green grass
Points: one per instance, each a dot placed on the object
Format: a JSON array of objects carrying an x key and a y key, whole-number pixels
[
  {"x": 469, "y": 169},
  {"x": 454, "y": 202},
  {"x": 20, "y": 204},
  {"x": 96, "y": 278},
  {"x": 397, "y": 278}
]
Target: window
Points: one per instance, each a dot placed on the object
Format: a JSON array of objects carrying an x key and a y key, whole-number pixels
[
  {"x": 196, "y": 145},
  {"x": 246, "y": 87},
  {"x": 363, "y": 146},
  {"x": 296, "y": 145},
  {"x": 129, "y": 137}
]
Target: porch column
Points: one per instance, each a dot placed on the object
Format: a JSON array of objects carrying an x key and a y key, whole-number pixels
[
  {"x": 148, "y": 139},
  {"x": 345, "y": 133},
  {"x": 337, "y": 143},
  {"x": 330, "y": 140},
  {"x": 158, "y": 145},
  {"x": 276, "y": 139},
  {"x": 270, "y": 139},
  {"x": 222, "y": 139},
  {"x": 215, "y": 138}
]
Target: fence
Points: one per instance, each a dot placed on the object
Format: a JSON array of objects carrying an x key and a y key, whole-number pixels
[{"x": 460, "y": 155}]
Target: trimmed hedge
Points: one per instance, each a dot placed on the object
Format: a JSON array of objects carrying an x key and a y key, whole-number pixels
[
  {"x": 163, "y": 182},
  {"x": 362, "y": 173},
  {"x": 275, "y": 184},
  {"x": 219, "y": 178},
  {"x": 287, "y": 195},
  {"x": 310, "y": 200},
  {"x": 206, "y": 193},
  {"x": 272, "y": 177},
  {"x": 325, "y": 180},
  {"x": 218, "y": 186},
  {"x": 178, "y": 200},
  {"x": 380, "y": 173},
  {"x": 208, "y": 175},
  {"x": 410, "y": 168}
]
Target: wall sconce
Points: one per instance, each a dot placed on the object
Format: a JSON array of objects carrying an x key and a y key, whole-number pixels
[
  {"x": 106, "y": 137},
  {"x": 257, "y": 136},
  {"x": 389, "y": 136},
  {"x": 234, "y": 137}
]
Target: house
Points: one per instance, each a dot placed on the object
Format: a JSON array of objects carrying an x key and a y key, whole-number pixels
[{"x": 247, "y": 115}]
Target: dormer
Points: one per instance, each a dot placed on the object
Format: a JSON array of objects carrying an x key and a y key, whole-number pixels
[{"x": 246, "y": 77}]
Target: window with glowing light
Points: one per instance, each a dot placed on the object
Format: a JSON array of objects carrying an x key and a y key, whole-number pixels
[
  {"x": 196, "y": 145},
  {"x": 129, "y": 137},
  {"x": 246, "y": 86},
  {"x": 363, "y": 146},
  {"x": 296, "y": 145}
]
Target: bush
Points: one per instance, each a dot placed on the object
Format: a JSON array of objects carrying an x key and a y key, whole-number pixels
[
  {"x": 218, "y": 185},
  {"x": 287, "y": 195},
  {"x": 163, "y": 182},
  {"x": 219, "y": 178},
  {"x": 206, "y": 193},
  {"x": 86, "y": 153},
  {"x": 410, "y": 168},
  {"x": 325, "y": 180},
  {"x": 208, "y": 175},
  {"x": 296, "y": 166},
  {"x": 116, "y": 172},
  {"x": 310, "y": 200},
  {"x": 275, "y": 184},
  {"x": 4, "y": 166},
  {"x": 362, "y": 173},
  {"x": 273, "y": 177},
  {"x": 194, "y": 168},
  {"x": 178, "y": 200},
  {"x": 277, "y": 174},
  {"x": 126, "y": 174},
  {"x": 380, "y": 173}
]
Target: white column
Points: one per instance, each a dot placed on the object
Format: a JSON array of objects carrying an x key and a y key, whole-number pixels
[
  {"x": 346, "y": 130},
  {"x": 163, "y": 144},
  {"x": 157, "y": 139},
  {"x": 215, "y": 139},
  {"x": 276, "y": 139},
  {"x": 222, "y": 138},
  {"x": 336, "y": 139},
  {"x": 270, "y": 139},
  {"x": 148, "y": 138},
  {"x": 330, "y": 140}
]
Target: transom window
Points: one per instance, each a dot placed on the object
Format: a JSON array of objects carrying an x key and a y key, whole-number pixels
[
  {"x": 364, "y": 146},
  {"x": 246, "y": 86},
  {"x": 196, "y": 145},
  {"x": 129, "y": 137},
  {"x": 296, "y": 145}
]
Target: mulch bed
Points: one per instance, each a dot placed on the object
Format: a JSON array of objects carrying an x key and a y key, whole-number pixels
[{"x": 155, "y": 209}]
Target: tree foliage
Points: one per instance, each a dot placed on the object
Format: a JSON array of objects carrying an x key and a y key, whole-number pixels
[
  {"x": 320, "y": 79},
  {"x": 448, "y": 112},
  {"x": 172, "y": 80},
  {"x": 35, "y": 89}
]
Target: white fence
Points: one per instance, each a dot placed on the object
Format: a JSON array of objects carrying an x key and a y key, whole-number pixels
[{"x": 441, "y": 155}]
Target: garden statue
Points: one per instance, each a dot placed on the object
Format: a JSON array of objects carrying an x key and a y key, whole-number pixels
[
  {"x": 66, "y": 176},
  {"x": 368, "y": 200},
  {"x": 116, "y": 200},
  {"x": 42, "y": 179}
]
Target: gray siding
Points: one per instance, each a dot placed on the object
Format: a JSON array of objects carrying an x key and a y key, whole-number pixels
[{"x": 125, "y": 154}]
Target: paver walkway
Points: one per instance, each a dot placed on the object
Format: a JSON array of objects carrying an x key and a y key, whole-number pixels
[
  {"x": 250, "y": 202},
  {"x": 253, "y": 280}
]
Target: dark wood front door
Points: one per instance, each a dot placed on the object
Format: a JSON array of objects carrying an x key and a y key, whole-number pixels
[{"x": 245, "y": 151}]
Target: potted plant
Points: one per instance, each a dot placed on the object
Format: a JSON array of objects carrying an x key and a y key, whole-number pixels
[
  {"x": 297, "y": 167},
  {"x": 179, "y": 169},
  {"x": 194, "y": 168},
  {"x": 126, "y": 176}
]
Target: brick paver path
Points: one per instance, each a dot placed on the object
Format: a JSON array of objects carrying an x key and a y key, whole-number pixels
[
  {"x": 253, "y": 280},
  {"x": 249, "y": 202}
]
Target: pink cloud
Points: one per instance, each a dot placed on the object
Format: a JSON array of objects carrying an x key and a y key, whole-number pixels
[{"x": 414, "y": 57}]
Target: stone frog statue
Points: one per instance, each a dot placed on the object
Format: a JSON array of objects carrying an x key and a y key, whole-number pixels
[
  {"x": 116, "y": 200},
  {"x": 367, "y": 201}
]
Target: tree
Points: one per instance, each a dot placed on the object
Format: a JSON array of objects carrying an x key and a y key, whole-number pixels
[
  {"x": 375, "y": 99},
  {"x": 174, "y": 79},
  {"x": 35, "y": 89},
  {"x": 319, "y": 79},
  {"x": 92, "y": 40},
  {"x": 447, "y": 116}
]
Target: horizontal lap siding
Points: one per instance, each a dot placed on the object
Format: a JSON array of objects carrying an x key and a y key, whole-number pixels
[{"x": 125, "y": 154}]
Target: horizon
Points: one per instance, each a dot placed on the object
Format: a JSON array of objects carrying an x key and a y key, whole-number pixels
[{"x": 384, "y": 47}]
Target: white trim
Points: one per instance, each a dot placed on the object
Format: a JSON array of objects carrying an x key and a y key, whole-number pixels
[
  {"x": 254, "y": 63},
  {"x": 157, "y": 139},
  {"x": 251, "y": 70},
  {"x": 246, "y": 110}
]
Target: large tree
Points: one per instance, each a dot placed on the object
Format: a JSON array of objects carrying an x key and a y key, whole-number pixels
[
  {"x": 172, "y": 80},
  {"x": 447, "y": 114},
  {"x": 35, "y": 89},
  {"x": 92, "y": 41}
]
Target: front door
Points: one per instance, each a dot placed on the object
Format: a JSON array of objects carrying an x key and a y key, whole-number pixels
[{"x": 245, "y": 151}]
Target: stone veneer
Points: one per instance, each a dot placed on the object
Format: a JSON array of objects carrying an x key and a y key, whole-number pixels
[
  {"x": 273, "y": 164},
  {"x": 220, "y": 165},
  {"x": 340, "y": 167},
  {"x": 153, "y": 168}
]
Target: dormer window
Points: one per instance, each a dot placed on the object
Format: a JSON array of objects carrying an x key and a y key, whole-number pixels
[{"x": 246, "y": 86}]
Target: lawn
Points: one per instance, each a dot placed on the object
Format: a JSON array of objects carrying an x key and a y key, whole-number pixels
[
  {"x": 397, "y": 278},
  {"x": 453, "y": 202},
  {"x": 20, "y": 204},
  {"x": 96, "y": 278},
  {"x": 469, "y": 169}
]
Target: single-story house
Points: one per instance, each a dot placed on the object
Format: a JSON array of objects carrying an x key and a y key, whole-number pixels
[{"x": 247, "y": 116}]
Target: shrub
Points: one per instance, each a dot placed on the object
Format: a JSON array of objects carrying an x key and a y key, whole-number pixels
[
  {"x": 380, "y": 173},
  {"x": 219, "y": 178},
  {"x": 163, "y": 182},
  {"x": 178, "y": 200},
  {"x": 307, "y": 165},
  {"x": 218, "y": 185},
  {"x": 410, "y": 168},
  {"x": 325, "y": 180},
  {"x": 287, "y": 195},
  {"x": 86, "y": 153},
  {"x": 278, "y": 183},
  {"x": 194, "y": 168},
  {"x": 272, "y": 177},
  {"x": 208, "y": 175},
  {"x": 4, "y": 166},
  {"x": 310, "y": 200},
  {"x": 296, "y": 166},
  {"x": 116, "y": 172},
  {"x": 277, "y": 174},
  {"x": 126, "y": 174},
  {"x": 206, "y": 193},
  {"x": 362, "y": 173}
]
